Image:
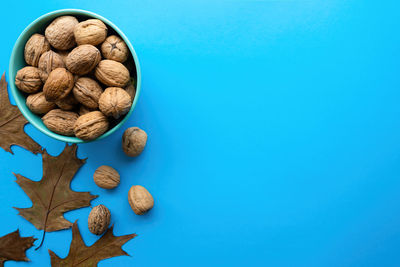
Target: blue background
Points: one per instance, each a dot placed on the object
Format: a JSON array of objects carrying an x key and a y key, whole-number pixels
[{"x": 274, "y": 134}]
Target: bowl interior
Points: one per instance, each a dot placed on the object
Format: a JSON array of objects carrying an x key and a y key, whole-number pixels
[{"x": 17, "y": 62}]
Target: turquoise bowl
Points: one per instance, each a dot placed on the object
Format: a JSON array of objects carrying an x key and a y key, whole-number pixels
[{"x": 17, "y": 62}]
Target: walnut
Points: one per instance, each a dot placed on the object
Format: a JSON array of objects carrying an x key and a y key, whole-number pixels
[
  {"x": 115, "y": 102},
  {"x": 49, "y": 61},
  {"x": 34, "y": 48},
  {"x": 58, "y": 85},
  {"x": 28, "y": 80},
  {"x": 133, "y": 141},
  {"x": 84, "y": 110},
  {"x": 67, "y": 103},
  {"x": 91, "y": 31},
  {"x": 60, "y": 33},
  {"x": 91, "y": 125},
  {"x": 106, "y": 177},
  {"x": 131, "y": 89},
  {"x": 60, "y": 121},
  {"x": 83, "y": 59},
  {"x": 140, "y": 199},
  {"x": 76, "y": 77},
  {"x": 115, "y": 48},
  {"x": 63, "y": 54},
  {"x": 87, "y": 91},
  {"x": 99, "y": 219},
  {"x": 112, "y": 73},
  {"x": 38, "y": 104}
]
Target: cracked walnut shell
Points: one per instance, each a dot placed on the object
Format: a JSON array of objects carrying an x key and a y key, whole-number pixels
[
  {"x": 99, "y": 219},
  {"x": 83, "y": 59},
  {"x": 28, "y": 80},
  {"x": 112, "y": 73},
  {"x": 58, "y": 85},
  {"x": 115, "y": 48},
  {"x": 91, "y": 125},
  {"x": 91, "y": 31},
  {"x": 115, "y": 102},
  {"x": 60, "y": 32},
  {"x": 60, "y": 121},
  {"x": 87, "y": 91},
  {"x": 34, "y": 48},
  {"x": 106, "y": 177}
]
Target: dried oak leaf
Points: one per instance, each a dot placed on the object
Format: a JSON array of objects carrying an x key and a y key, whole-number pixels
[
  {"x": 13, "y": 247},
  {"x": 52, "y": 196},
  {"x": 80, "y": 255},
  {"x": 12, "y": 124}
]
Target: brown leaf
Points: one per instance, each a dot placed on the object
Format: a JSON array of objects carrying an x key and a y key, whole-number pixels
[
  {"x": 52, "y": 196},
  {"x": 80, "y": 255},
  {"x": 12, "y": 124},
  {"x": 13, "y": 247}
]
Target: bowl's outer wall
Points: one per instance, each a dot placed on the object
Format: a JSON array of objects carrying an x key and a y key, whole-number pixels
[{"x": 17, "y": 62}]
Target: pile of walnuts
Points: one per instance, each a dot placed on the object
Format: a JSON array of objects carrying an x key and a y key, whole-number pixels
[{"x": 78, "y": 77}]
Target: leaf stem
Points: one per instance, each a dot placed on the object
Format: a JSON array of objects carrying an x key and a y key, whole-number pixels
[
  {"x": 41, "y": 242},
  {"x": 48, "y": 207}
]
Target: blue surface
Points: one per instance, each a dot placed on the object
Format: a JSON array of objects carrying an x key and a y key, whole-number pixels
[{"x": 274, "y": 134}]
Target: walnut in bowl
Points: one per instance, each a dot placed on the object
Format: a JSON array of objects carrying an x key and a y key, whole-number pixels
[{"x": 55, "y": 37}]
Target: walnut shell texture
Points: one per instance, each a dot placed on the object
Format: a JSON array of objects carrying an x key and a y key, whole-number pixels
[
  {"x": 115, "y": 48},
  {"x": 140, "y": 199},
  {"x": 91, "y": 31},
  {"x": 63, "y": 54},
  {"x": 28, "y": 80},
  {"x": 84, "y": 110},
  {"x": 83, "y": 59},
  {"x": 67, "y": 103},
  {"x": 38, "y": 104},
  {"x": 99, "y": 219},
  {"x": 131, "y": 89},
  {"x": 87, "y": 91},
  {"x": 134, "y": 141},
  {"x": 115, "y": 102},
  {"x": 91, "y": 125},
  {"x": 34, "y": 48},
  {"x": 112, "y": 73},
  {"x": 60, "y": 121},
  {"x": 58, "y": 85},
  {"x": 49, "y": 61},
  {"x": 60, "y": 32},
  {"x": 106, "y": 177}
]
